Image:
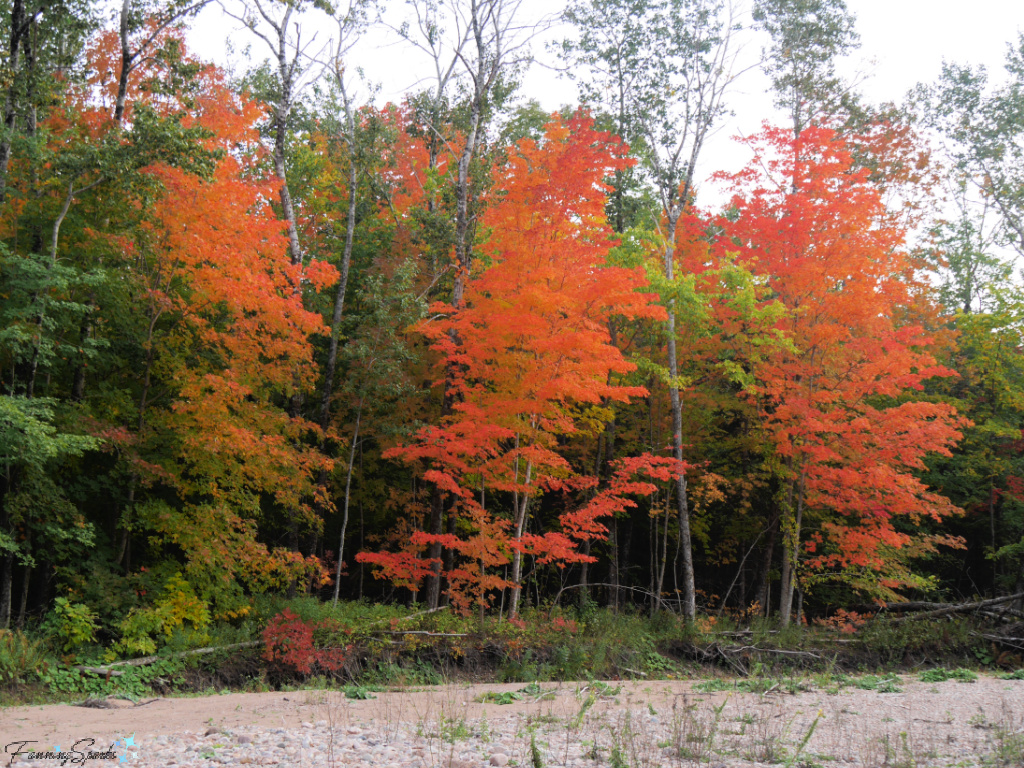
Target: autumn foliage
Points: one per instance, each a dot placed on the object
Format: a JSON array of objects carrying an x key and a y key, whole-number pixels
[
  {"x": 534, "y": 363},
  {"x": 841, "y": 401},
  {"x": 297, "y": 646},
  {"x": 400, "y": 350}
]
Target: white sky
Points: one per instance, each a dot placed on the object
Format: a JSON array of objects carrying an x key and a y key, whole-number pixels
[{"x": 903, "y": 42}]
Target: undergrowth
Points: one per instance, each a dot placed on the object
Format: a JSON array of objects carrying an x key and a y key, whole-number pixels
[{"x": 360, "y": 648}]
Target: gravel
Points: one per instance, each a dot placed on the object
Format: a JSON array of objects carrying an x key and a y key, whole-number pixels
[{"x": 641, "y": 726}]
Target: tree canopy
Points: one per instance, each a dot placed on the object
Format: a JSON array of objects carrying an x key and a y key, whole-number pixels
[{"x": 261, "y": 334}]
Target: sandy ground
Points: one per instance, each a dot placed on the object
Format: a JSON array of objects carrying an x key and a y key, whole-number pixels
[{"x": 648, "y": 723}]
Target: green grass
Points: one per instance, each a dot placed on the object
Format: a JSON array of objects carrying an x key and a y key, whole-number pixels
[
  {"x": 942, "y": 675},
  {"x": 882, "y": 684},
  {"x": 753, "y": 685},
  {"x": 533, "y": 691}
]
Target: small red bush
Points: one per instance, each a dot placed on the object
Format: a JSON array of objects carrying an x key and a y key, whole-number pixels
[{"x": 290, "y": 643}]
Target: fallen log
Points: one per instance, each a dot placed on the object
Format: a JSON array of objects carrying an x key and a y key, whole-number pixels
[
  {"x": 412, "y": 615},
  {"x": 112, "y": 671},
  {"x": 910, "y": 605},
  {"x": 113, "y": 703},
  {"x": 961, "y": 608},
  {"x": 756, "y": 649},
  {"x": 747, "y": 632},
  {"x": 1012, "y": 642}
]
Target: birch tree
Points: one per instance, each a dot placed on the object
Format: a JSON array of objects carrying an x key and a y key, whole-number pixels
[
  {"x": 471, "y": 44},
  {"x": 667, "y": 65}
]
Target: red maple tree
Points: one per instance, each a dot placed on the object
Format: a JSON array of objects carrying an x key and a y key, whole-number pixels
[
  {"x": 840, "y": 402},
  {"x": 532, "y": 356}
]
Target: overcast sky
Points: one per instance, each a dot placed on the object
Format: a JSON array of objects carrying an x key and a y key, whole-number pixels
[{"x": 903, "y": 42}]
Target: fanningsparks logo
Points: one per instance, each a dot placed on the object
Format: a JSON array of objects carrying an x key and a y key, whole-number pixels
[{"x": 122, "y": 750}]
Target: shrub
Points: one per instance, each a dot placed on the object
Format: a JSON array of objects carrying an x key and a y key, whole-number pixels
[
  {"x": 21, "y": 658},
  {"x": 291, "y": 644},
  {"x": 178, "y": 611},
  {"x": 71, "y": 624}
]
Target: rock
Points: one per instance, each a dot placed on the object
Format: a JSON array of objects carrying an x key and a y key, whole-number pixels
[{"x": 499, "y": 759}]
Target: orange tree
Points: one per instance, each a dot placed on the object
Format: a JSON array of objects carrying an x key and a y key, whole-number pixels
[
  {"x": 839, "y": 402},
  {"x": 533, "y": 364},
  {"x": 221, "y": 339}
]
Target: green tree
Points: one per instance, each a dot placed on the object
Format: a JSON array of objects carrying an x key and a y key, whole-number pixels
[
  {"x": 667, "y": 64},
  {"x": 75, "y": 163},
  {"x": 33, "y": 510},
  {"x": 377, "y": 359},
  {"x": 979, "y": 122},
  {"x": 808, "y": 37},
  {"x": 982, "y": 126}
]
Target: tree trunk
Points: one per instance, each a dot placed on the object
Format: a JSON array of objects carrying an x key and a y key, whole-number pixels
[
  {"x": 362, "y": 527},
  {"x": 682, "y": 503},
  {"x": 133, "y": 480},
  {"x": 78, "y": 387},
  {"x": 742, "y": 598},
  {"x": 652, "y": 553},
  {"x": 764, "y": 577},
  {"x": 282, "y": 112},
  {"x": 661, "y": 562},
  {"x": 23, "y": 603},
  {"x": 791, "y": 552},
  {"x": 7, "y": 484},
  {"x": 346, "y": 261},
  {"x": 463, "y": 265},
  {"x": 786, "y": 571},
  {"x": 33, "y": 366},
  {"x": 992, "y": 534},
  {"x": 126, "y": 64},
  {"x": 584, "y": 596},
  {"x": 433, "y": 585},
  {"x": 517, "y": 556},
  {"x": 448, "y": 557},
  {"x": 626, "y": 552},
  {"x": 344, "y": 514},
  {"x": 480, "y": 605},
  {"x": 19, "y": 28},
  {"x": 327, "y": 391},
  {"x": 6, "y": 579},
  {"x": 614, "y": 576},
  {"x": 599, "y": 461}
]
